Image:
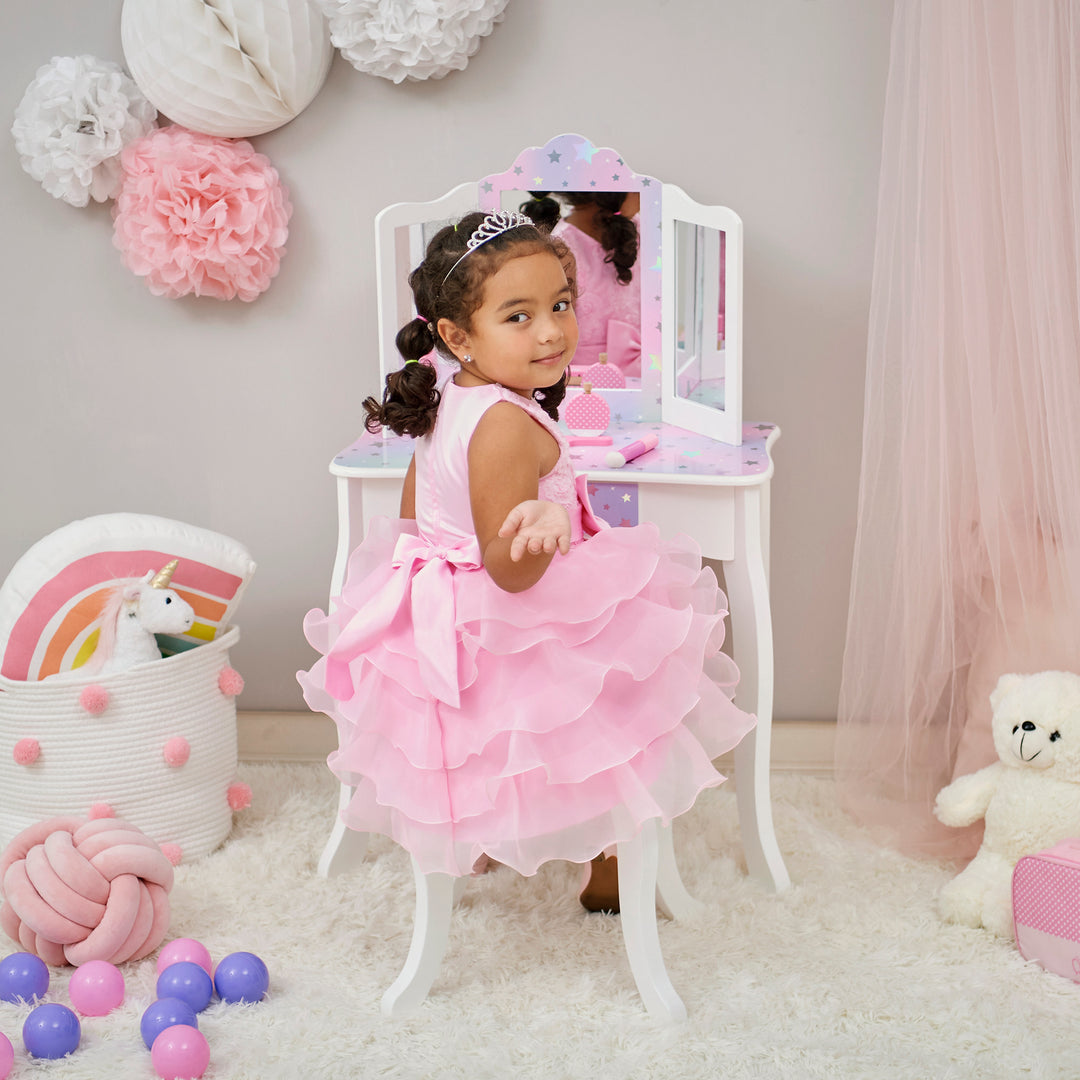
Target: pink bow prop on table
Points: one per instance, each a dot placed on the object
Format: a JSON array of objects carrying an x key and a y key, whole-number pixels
[
  {"x": 624, "y": 346},
  {"x": 426, "y": 599}
]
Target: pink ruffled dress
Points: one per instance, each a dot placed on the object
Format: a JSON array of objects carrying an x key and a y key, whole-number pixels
[
  {"x": 546, "y": 724},
  {"x": 608, "y": 313}
]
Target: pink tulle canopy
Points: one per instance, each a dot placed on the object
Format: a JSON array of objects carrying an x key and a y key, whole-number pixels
[
  {"x": 967, "y": 561},
  {"x": 200, "y": 214}
]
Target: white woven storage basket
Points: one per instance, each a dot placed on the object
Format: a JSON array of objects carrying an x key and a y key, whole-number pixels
[{"x": 117, "y": 757}]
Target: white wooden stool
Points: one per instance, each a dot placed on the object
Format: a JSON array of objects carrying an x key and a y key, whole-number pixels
[{"x": 648, "y": 876}]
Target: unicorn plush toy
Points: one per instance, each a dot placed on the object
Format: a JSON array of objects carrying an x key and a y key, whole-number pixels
[{"x": 134, "y": 612}]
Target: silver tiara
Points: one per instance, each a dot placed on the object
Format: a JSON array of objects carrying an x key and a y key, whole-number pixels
[{"x": 495, "y": 224}]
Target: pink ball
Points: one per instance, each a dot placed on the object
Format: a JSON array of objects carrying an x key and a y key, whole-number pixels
[
  {"x": 177, "y": 751},
  {"x": 27, "y": 751},
  {"x": 180, "y": 1052},
  {"x": 94, "y": 699},
  {"x": 185, "y": 949},
  {"x": 7, "y": 1056},
  {"x": 96, "y": 988}
]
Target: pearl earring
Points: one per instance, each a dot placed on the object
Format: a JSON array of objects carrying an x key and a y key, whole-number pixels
[{"x": 466, "y": 359}]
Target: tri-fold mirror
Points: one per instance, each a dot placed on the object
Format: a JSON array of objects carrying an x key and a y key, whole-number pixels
[{"x": 689, "y": 265}]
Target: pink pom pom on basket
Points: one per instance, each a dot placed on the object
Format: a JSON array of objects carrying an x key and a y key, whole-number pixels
[
  {"x": 94, "y": 699},
  {"x": 26, "y": 751},
  {"x": 230, "y": 682},
  {"x": 77, "y": 889}
]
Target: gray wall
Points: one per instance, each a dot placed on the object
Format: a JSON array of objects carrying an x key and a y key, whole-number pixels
[{"x": 226, "y": 414}]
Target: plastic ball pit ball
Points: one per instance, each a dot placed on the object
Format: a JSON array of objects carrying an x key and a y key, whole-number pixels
[
  {"x": 165, "y": 1013},
  {"x": 96, "y": 988},
  {"x": 185, "y": 948},
  {"x": 51, "y": 1031},
  {"x": 241, "y": 977},
  {"x": 7, "y": 1056},
  {"x": 180, "y": 1051},
  {"x": 23, "y": 977},
  {"x": 188, "y": 982}
]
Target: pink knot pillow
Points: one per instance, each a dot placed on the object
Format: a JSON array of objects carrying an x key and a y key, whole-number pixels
[{"x": 78, "y": 889}]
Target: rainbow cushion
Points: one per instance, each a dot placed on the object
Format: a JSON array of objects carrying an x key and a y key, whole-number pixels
[{"x": 51, "y": 601}]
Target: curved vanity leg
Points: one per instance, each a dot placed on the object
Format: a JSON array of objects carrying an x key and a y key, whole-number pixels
[
  {"x": 751, "y": 621},
  {"x": 637, "y": 904},
  {"x": 431, "y": 932},
  {"x": 346, "y": 848},
  {"x": 672, "y": 897}
]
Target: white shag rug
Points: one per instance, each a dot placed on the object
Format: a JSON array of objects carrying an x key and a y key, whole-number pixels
[{"x": 850, "y": 973}]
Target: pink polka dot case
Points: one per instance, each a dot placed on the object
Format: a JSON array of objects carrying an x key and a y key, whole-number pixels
[{"x": 1046, "y": 908}]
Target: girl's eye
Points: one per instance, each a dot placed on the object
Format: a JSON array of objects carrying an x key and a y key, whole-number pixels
[
  {"x": 518, "y": 316},
  {"x": 562, "y": 305}
]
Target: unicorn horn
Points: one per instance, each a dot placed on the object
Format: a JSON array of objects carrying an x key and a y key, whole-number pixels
[{"x": 164, "y": 575}]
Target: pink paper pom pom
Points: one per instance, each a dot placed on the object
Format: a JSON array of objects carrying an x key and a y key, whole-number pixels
[
  {"x": 200, "y": 214},
  {"x": 177, "y": 751},
  {"x": 239, "y": 796},
  {"x": 94, "y": 699},
  {"x": 230, "y": 682},
  {"x": 27, "y": 751},
  {"x": 100, "y": 810},
  {"x": 173, "y": 853}
]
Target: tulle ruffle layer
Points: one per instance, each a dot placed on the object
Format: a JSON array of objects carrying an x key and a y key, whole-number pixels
[{"x": 529, "y": 726}]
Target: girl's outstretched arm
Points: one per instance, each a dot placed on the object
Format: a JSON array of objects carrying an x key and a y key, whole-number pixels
[{"x": 508, "y": 453}]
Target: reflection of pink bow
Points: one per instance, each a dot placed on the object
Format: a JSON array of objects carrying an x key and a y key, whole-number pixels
[
  {"x": 624, "y": 346},
  {"x": 424, "y": 595},
  {"x": 590, "y": 523}
]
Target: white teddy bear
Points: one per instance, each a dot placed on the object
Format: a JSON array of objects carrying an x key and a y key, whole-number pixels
[{"x": 1030, "y": 798}]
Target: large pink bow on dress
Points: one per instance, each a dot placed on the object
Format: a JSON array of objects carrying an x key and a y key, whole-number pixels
[
  {"x": 624, "y": 346},
  {"x": 423, "y": 596}
]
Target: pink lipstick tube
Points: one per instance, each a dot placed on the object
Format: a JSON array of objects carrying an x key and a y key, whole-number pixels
[{"x": 618, "y": 458}]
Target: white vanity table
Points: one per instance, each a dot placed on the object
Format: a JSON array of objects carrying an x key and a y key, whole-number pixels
[{"x": 710, "y": 473}]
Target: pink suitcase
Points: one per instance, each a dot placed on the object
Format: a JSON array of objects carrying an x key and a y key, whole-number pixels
[{"x": 1046, "y": 908}]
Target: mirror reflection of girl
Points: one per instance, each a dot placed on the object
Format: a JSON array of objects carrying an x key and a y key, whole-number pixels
[
  {"x": 511, "y": 679},
  {"x": 601, "y": 230}
]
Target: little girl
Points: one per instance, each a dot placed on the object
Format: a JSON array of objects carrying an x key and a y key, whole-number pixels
[{"x": 509, "y": 677}]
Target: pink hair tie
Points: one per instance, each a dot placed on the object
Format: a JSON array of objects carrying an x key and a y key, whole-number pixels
[{"x": 421, "y": 318}]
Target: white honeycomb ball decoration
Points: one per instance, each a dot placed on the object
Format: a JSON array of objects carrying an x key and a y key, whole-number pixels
[{"x": 233, "y": 68}]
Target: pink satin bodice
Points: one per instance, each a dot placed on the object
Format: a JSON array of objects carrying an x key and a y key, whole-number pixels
[{"x": 443, "y": 507}]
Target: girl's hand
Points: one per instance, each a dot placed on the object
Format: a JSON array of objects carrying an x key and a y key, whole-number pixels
[{"x": 537, "y": 527}]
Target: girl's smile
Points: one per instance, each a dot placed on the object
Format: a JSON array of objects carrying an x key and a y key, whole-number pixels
[{"x": 524, "y": 333}]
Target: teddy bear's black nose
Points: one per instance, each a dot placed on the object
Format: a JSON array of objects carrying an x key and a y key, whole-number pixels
[{"x": 1027, "y": 725}]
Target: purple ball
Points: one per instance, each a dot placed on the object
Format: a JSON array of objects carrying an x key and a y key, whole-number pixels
[
  {"x": 188, "y": 982},
  {"x": 165, "y": 1013},
  {"x": 23, "y": 977},
  {"x": 241, "y": 977},
  {"x": 51, "y": 1031}
]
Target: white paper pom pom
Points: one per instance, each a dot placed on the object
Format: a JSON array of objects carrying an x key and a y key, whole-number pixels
[
  {"x": 233, "y": 68},
  {"x": 410, "y": 39},
  {"x": 73, "y": 121}
]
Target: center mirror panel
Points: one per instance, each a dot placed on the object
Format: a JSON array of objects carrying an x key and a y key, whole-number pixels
[{"x": 617, "y": 325}]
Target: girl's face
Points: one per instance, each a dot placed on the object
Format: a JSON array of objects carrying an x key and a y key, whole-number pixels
[{"x": 524, "y": 333}]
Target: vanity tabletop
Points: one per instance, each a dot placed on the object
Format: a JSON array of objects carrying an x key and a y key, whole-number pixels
[{"x": 680, "y": 457}]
